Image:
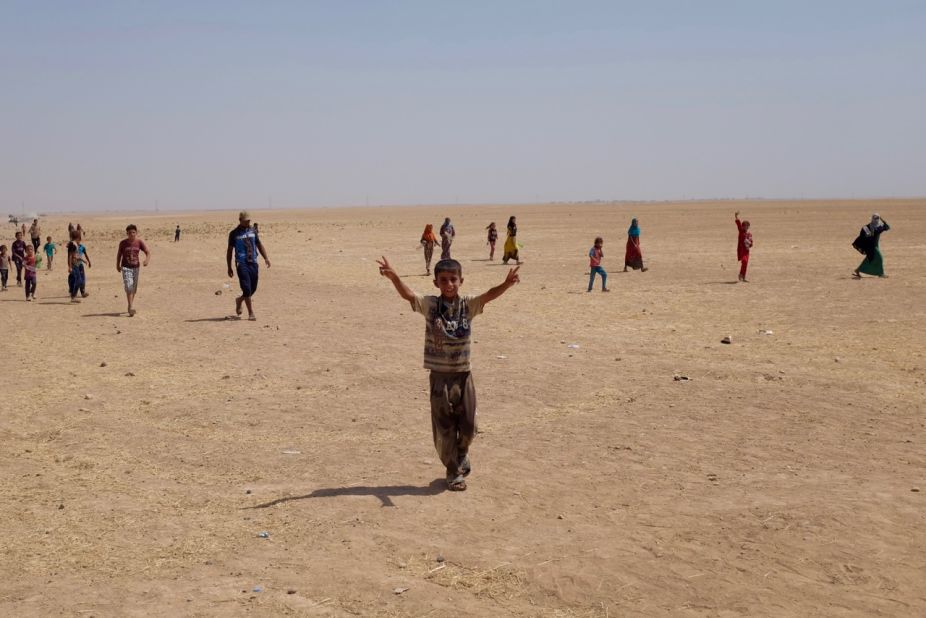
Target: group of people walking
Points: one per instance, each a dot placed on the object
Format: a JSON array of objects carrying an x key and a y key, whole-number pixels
[
  {"x": 633, "y": 257},
  {"x": 448, "y": 233}
]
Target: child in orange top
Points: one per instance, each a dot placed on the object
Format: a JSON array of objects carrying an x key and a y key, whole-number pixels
[{"x": 743, "y": 245}]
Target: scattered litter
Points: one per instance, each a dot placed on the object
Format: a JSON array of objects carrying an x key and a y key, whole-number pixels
[
  {"x": 130, "y": 375},
  {"x": 88, "y": 396},
  {"x": 400, "y": 590},
  {"x": 766, "y": 332},
  {"x": 573, "y": 346},
  {"x": 501, "y": 357},
  {"x": 103, "y": 364},
  {"x": 83, "y": 410},
  {"x": 440, "y": 557},
  {"x": 257, "y": 589},
  {"x": 247, "y": 491},
  {"x": 291, "y": 452},
  {"x": 226, "y": 285},
  {"x": 291, "y": 591},
  {"x": 218, "y": 292},
  {"x": 680, "y": 378},
  {"x": 437, "y": 568},
  {"x": 727, "y": 339},
  {"x": 264, "y": 535},
  {"x": 915, "y": 489}
]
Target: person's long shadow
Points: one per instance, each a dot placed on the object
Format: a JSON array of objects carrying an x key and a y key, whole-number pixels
[
  {"x": 225, "y": 319},
  {"x": 384, "y": 494},
  {"x": 97, "y": 315}
]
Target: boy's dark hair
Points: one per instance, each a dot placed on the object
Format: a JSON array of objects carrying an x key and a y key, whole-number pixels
[
  {"x": 448, "y": 266},
  {"x": 599, "y": 239},
  {"x": 2, "y": 248},
  {"x": 130, "y": 227},
  {"x": 75, "y": 235},
  {"x": 18, "y": 233}
]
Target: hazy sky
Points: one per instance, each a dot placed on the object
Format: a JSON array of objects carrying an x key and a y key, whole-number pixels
[{"x": 111, "y": 105}]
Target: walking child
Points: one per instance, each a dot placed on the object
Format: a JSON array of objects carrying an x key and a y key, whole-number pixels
[
  {"x": 77, "y": 257},
  {"x": 30, "y": 266},
  {"x": 594, "y": 263},
  {"x": 177, "y": 233},
  {"x": 491, "y": 239},
  {"x": 743, "y": 245},
  {"x": 448, "y": 318},
  {"x": 19, "y": 254},
  {"x": 4, "y": 267},
  {"x": 127, "y": 263},
  {"x": 50, "y": 250}
]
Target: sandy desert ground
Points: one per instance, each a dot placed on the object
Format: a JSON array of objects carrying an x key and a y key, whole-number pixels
[{"x": 142, "y": 457}]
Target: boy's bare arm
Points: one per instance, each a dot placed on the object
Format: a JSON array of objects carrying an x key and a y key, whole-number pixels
[
  {"x": 501, "y": 288},
  {"x": 386, "y": 270},
  {"x": 228, "y": 257}
]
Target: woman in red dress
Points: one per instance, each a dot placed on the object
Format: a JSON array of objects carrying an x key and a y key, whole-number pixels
[{"x": 633, "y": 258}]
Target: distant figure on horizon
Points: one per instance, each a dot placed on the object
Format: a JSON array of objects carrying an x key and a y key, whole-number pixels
[
  {"x": 244, "y": 245},
  {"x": 868, "y": 242},
  {"x": 177, "y": 233},
  {"x": 428, "y": 240},
  {"x": 511, "y": 243},
  {"x": 743, "y": 245},
  {"x": 447, "y": 234},
  {"x": 595, "y": 254},
  {"x": 633, "y": 256},
  {"x": 491, "y": 239}
]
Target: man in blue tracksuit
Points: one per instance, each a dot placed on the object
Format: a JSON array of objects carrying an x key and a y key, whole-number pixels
[{"x": 244, "y": 245}]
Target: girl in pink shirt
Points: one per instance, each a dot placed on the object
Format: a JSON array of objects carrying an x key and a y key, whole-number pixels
[{"x": 594, "y": 262}]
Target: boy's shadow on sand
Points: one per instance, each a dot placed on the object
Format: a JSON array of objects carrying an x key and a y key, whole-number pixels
[{"x": 385, "y": 494}]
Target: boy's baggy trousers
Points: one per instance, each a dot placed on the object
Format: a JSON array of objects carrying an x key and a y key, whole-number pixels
[{"x": 453, "y": 416}]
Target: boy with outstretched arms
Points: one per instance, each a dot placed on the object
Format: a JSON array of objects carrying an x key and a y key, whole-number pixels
[{"x": 448, "y": 319}]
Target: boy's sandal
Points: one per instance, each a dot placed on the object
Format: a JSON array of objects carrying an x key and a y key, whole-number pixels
[
  {"x": 252, "y": 318},
  {"x": 456, "y": 483}
]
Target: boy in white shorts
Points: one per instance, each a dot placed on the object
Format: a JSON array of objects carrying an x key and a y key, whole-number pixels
[{"x": 127, "y": 263}]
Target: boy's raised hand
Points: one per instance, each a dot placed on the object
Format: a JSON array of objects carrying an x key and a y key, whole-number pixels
[
  {"x": 384, "y": 268},
  {"x": 513, "y": 276}
]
